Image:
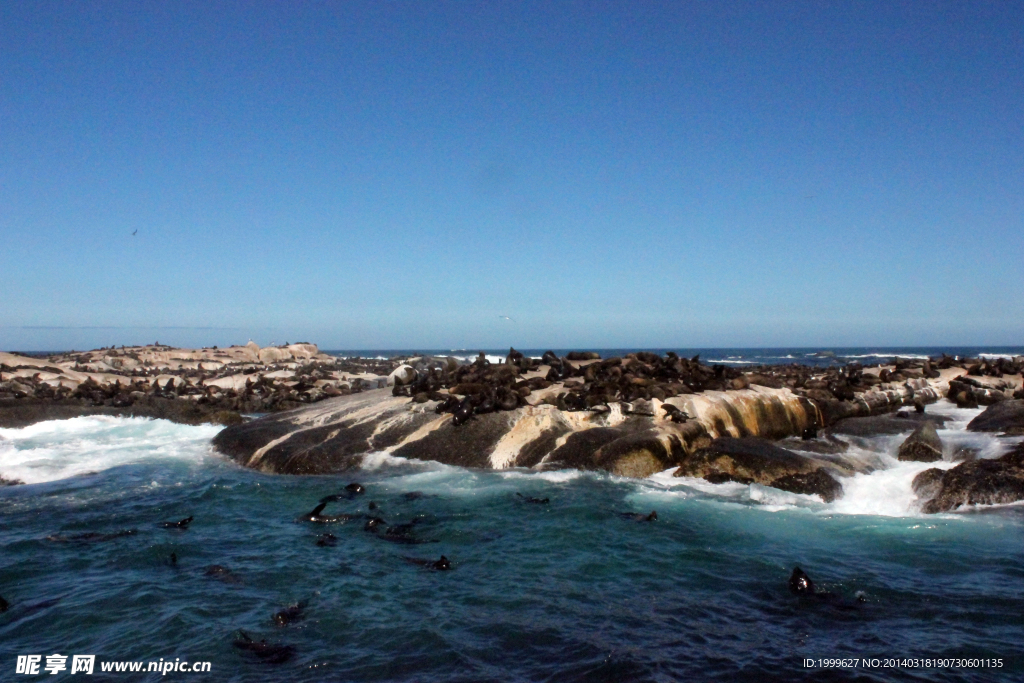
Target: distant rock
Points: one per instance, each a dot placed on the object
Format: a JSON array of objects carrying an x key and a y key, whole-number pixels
[
  {"x": 1005, "y": 416},
  {"x": 924, "y": 445}
]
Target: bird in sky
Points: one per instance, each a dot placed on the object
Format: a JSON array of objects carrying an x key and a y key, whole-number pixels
[
  {"x": 505, "y": 317},
  {"x": 136, "y": 230}
]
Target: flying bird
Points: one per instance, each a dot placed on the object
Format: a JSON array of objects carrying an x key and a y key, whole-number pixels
[
  {"x": 136, "y": 230},
  {"x": 505, "y": 317}
]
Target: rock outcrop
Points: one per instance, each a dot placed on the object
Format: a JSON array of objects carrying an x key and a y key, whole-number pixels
[
  {"x": 753, "y": 460},
  {"x": 1006, "y": 417},
  {"x": 924, "y": 445},
  {"x": 992, "y": 481}
]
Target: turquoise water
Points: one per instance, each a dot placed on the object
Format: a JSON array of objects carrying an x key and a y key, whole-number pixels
[{"x": 564, "y": 591}]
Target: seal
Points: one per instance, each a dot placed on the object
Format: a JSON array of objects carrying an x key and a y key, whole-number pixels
[
  {"x": 293, "y": 612},
  {"x": 4, "y": 605},
  {"x": 182, "y": 525},
  {"x": 91, "y": 536},
  {"x": 800, "y": 584},
  {"x": 269, "y": 653},
  {"x": 530, "y": 499},
  {"x": 326, "y": 540},
  {"x": 174, "y": 559},
  {"x": 463, "y": 412},
  {"x": 444, "y": 564},
  {"x": 315, "y": 516},
  {"x": 639, "y": 517},
  {"x": 224, "y": 574},
  {"x": 674, "y": 414}
]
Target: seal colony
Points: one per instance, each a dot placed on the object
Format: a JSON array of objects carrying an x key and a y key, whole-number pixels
[
  {"x": 188, "y": 386},
  {"x": 637, "y": 415}
]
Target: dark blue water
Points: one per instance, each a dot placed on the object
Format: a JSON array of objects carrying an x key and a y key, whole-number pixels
[
  {"x": 816, "y": 356},
  {"x": 567, "y": 591}
]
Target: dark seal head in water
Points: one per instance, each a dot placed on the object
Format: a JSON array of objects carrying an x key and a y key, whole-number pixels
[
  {"x": 315, "y": 515},
  {"x": 800, "y": 583},
  {"x": 269, "y": 653},
  {"x": 326, "y": 540},
  {"x": 441, "y": 565},
  {"x": 3, "y": 604},
  {"x": 293, "y": 612},
  {"x": 183, "y": 524},
  {"x": 640, "y": 517},
  {"x": 531, "y": 499}
]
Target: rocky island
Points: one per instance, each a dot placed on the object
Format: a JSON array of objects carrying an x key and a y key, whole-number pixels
[{"x": 295, "y": 410}]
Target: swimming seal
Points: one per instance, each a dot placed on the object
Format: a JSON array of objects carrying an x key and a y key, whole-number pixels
[
  {"x": 174, "y": 559},
  {"x": 326, "y": 540},
  {"x": 639, "y": 517},
  {"x": 183, "y": 524},
  {"x": 3, "y": 604},
  {"x": 530, "y": 499},
  {"x": 444, "y": 564},
  {"x": 222, "y": 573},
  {"x": 315, "y": 516},
  {"x": 291, "y": 613},
  {"x": 269, "y": 653},
  {"x": 91, "y": 536},
  {"x": 801, "y": 584}
]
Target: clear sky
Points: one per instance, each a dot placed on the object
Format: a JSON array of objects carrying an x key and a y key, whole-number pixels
[{"x": 607, "y": 174}]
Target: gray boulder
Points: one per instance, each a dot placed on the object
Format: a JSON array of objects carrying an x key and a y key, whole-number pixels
[
  {"x": 1006, "y": 417},
  {"x": 924, "y": 445}
]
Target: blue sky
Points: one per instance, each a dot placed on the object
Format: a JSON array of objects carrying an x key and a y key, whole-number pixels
[{"x": 399, "y": 174}]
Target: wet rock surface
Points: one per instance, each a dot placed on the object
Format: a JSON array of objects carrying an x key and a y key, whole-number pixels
[
  {"x": 752, "y": 460},
  {"x": 1006, "y": 417},
  {"x": 924, "y": 445},
  {"x": 993, "y": 481}
]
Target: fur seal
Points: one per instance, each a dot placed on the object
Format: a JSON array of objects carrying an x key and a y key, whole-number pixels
[
  {"x": 315, "y": 516},
  {"x": 355, "y": 488},
  {"x": 269, "y": 653},
  {"x": 91, "y": 536},
  {"x": 183, "y": 524},
  {"x": 293, "y": 612},
  {"x": 444, "y": 564},
  {"x": 674, "y": 414},
  {"x": 3, "y": 604},
  {"x": 222, "y": 573},
  {"x": 372, "y": 524},
  {"x": 463, "y": 412},
  {"x": 801, "y": 584},
  {"x": 530, "y": 499},
  {"x": 174, "y": 559},
  {"x": 639, "y": 517},
  {"x": 326, "y": 540}
]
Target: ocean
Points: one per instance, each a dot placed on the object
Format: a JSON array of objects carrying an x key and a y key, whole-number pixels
[{"x": 567, "y": 590}]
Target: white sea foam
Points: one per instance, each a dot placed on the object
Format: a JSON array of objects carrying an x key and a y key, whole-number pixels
[
  {"x": 995, "y": 356},
  {"x": 58, "y": 449}
]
